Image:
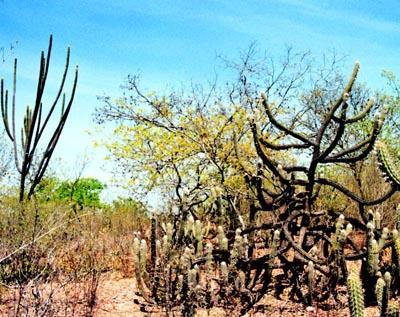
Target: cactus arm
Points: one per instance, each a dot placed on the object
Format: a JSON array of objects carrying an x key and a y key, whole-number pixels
[
  {"x": 4, "y": 109},
  {"x": 281, "y": 126},
  {"x": 361, "y": 115},
  {"x": 54, "y": 139},
  {"x": 338, "y": 103},
  {"x": 350, "y": 150},
  {"x": 352, "y": 79},
  {"x": 338, "y": 136},
  {"x": 237, "y": 153},
  {"x": 289, "y": 238},
  {"x": 370, "y": 142},
  {"x": 350, "y": 194},
  {"x": 265, "y": 159},
  {"x": 266, "y": 206},
  {"x": 282, "y": 147},
  {"x": 14, "y": 90},
  {"x": 39, "y": 122},
  {"x": 295, "y": 169},
  {"x": 51, "y": 110},
  {"x": 387, "y": 164}
]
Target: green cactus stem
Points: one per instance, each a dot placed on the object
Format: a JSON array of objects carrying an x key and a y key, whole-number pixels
[
  {"x": 355, "y": 295},
  {"x": 30, "y": 164},
  {"x": 379, "y": 289},
  {"x": 310, "y": 280},
  {"x": 386, "y": 294},
  {"x": 388, "y": 164},
  {"x": 224, "y": 271},
  {"x": 393, "y": 309}
]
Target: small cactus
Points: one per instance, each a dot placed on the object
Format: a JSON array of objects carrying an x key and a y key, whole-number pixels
[
  {"x": 224, "y": 270},
  {"x": 383, "y": 238},
  {"x": 237, "y": 249},
  {"x": 377, "y": 219},
  {"x": 355, "y": 295},
  {"x": 379, "y": 289},
  {"x": 373, "y": 256},
  {"x": 310, "y": 278},
  {"x": 386, "y": 294},
  {"x": 393, "y": 309}
]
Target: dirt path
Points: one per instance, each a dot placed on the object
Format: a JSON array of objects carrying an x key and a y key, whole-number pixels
[{"x": 115, "y": 298}]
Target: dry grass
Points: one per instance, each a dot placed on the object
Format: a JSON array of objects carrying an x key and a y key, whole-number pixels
[{"x": 116, "y": 296}]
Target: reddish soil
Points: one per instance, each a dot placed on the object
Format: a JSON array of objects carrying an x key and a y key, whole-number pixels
[
  {"x": 115, "y": 298},
  {"x": 116, "y": 295}
]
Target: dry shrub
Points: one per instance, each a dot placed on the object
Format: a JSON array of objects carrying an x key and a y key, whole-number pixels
[{"x": 47, "y": 249}]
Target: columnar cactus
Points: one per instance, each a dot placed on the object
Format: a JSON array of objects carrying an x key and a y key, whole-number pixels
[
  {"x": 393, "y": 309},
  {"x": 310, "y": 277},
  {"x": 355, "y": 294},
  {"x": 379, "y": 289},
  {"x": 34, "y": 124},
  {"x": 386, "y": 294}
]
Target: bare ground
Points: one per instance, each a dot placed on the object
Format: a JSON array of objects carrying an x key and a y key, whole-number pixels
[
  {"x": 116, "y": 298},
  {"x": 116, "y": 295}
]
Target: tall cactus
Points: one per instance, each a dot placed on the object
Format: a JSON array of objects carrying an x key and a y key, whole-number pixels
[{"x": 35, "y": 122}]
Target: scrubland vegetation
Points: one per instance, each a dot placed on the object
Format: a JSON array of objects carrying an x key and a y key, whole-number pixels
[{"x": 281, "y": 182}]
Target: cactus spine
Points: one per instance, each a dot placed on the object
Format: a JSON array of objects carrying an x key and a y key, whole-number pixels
[{"x": 355, "y": 295}]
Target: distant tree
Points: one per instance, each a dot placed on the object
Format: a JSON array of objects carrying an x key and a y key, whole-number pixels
[
  {"x": 194, "y": 146},
  {"x": 130, "y": 206},
  {"x": 85, "y": 192}
]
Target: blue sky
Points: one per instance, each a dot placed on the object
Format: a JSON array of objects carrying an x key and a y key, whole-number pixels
[{"x": 171, "y": 42}]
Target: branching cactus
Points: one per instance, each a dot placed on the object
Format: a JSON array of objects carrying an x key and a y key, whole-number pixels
[
  {"x": 292, "y": 198},
  {"x": 35, "y": 121},
  {"x": 283, "y": 239}
]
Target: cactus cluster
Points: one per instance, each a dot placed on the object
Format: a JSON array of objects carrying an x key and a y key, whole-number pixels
[
  {"x": 205, "y": 269},
  {"x": 388, "y": 307},
  {"x": 282, "y": 240}
]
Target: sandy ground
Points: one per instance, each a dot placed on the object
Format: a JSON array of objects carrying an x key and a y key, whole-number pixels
[
  {"x": 116, "y": 295},
  {"x": 116, "y": 298}
]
